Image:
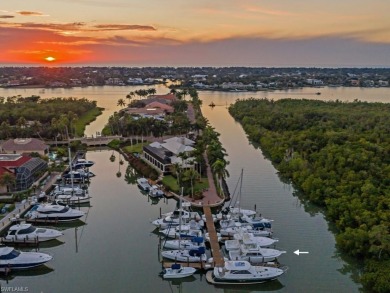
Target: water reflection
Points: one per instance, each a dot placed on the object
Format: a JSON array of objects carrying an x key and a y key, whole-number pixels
[
  {"x": 50, "y": 244},
  {"x": 131, "y": 175},
  {"x": 275, "y": 285},
  {"x": 153, "y": 200},
  {"x": 176, "y": 285},
  {"x": 37, "y": 271}
]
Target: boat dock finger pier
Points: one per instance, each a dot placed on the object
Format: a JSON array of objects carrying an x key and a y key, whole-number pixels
[{"x": 214, "y": 244}]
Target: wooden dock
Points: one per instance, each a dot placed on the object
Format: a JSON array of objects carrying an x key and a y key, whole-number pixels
[{"x": 215, "y": 249}]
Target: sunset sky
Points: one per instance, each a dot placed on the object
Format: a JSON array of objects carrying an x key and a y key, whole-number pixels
[{"x": 330, "y": 33}]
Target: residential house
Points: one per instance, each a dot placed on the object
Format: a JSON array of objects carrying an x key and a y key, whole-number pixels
[
  {"x": 163, "y": 155},
  {"x": 25, "y": 169},
  {"x": 24, "y": 146}
]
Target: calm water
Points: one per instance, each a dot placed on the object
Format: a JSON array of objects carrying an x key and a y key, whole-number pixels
[{"x": 116, "y": 251}]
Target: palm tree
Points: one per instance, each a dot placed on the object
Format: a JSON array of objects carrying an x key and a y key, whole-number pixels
[
  {"x": 177, "y": 169},
  {"x": 152, "y": 91},
  {"x": 72, "y": 117},
  {"x": 190, "y": 175},
  {"x": 8, "y": 180},
  {"x": 129, "y": 96},
  {"x": 63, "y": 123},
  {"x": 219, "y": 169},
  {"x": 183, "y": 93},
  {"x": 121, "y": 102}
]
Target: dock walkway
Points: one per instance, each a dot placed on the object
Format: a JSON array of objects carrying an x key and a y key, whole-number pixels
[{"x": 215, "y": 249}]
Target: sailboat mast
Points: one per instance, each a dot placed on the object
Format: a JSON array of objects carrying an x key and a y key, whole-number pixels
[
  {"x": 70, "y": 169},
  {"x": 239, "y": 197},
  {"x": 180, "y": 214}
]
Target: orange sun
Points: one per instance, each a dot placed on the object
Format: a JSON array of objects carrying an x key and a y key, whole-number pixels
[{"x": 50, "y": 59}]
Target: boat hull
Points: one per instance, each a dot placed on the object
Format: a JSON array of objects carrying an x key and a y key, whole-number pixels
[
  {"x": 212, "y": 279},
  {"x": 177, "y": 274}
]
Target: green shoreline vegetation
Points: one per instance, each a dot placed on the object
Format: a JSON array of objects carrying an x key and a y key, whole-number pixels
[
  {"x": 56, "y": 118},
  {"x": 338, "y": 155},
  {"x": 86, "y": 119}
]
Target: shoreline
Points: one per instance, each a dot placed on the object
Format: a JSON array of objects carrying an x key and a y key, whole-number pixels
[{"x": 43, "y": 87}]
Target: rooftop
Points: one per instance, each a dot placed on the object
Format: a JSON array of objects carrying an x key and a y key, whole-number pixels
[
  {"x": 13, "y": 160},
  {"x": 24, "y": 144}
]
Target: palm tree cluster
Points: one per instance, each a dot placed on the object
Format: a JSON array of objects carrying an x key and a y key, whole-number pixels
[
  {"x": 216, "y": 155},
  {"x": 127, "y": 125},
  {"x": 142, "y": 93}
]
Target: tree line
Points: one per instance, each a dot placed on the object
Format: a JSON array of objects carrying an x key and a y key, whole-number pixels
[
  {"x": 41, "y": 118},
  {"x": 338, "y": 155}
]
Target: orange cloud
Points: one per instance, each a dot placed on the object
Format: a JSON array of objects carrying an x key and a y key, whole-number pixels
[
  {"x": 30, "y": 13},
  {"x": 6, "y": 16}
]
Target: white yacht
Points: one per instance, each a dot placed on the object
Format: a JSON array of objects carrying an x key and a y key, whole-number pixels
[
  {"x": 53, "y": 213},
  {"x": 26, "y": 233},
  {"x": 143, "y": 184},
  {"x": 82, "y": 163},
  {"x": 155, "y": 191},
  {"x": 67, "y": 190},
  {"x": 173, "y": 219},
  {"x": 248, "y": 238},
  {"x": 185, "y": 255},
  {"x": 11, "y": 259},
  {"x": 177, "y": 271},
  {"x": 242, "y": 272},
  {"x": 73, "y": 199},
  {"x": 255, "y": 254},
  {"x": 193, "y": 243}
]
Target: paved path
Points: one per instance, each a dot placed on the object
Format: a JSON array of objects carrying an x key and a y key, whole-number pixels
[{"x": 210, "y": 196}]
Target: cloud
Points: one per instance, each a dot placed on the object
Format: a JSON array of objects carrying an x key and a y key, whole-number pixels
[
  {"x": 6, "y": 16},
  {"x": 273, "y": 12},
  {"x": 30, "y": 13},
  {"x": 69, "y": 28},
  {"x": 121, "y": 27}
]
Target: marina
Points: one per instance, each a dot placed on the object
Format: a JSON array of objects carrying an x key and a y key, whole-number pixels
[{"x": 295, "y": 224}]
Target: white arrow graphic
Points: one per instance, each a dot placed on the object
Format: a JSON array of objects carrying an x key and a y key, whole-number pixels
[{"x": 297, "y": 252}]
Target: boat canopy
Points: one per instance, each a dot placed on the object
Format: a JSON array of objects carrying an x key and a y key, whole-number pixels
[
  {"x": 197, "y": 239},
  {"x": 175, "y": 266},
  {"x": 237, "y": 265}
]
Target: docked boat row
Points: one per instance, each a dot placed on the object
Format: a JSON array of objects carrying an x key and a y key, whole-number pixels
[
  {"x": 55, "y": 212},
  {"x": 248, "y": 247}
]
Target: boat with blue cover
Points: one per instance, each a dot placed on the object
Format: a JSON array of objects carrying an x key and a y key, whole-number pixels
[
  {"x": 82, "y": 163},
  {"x": 11, "y": 259},
  {"x": 193, "y": 243},
  {"x": 186, "y": 255}
]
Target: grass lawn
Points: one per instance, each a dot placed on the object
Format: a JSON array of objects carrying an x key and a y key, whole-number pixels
[
  {"x": 135, "y": 148},
  {"x": 171, "y": 182},
  {"x": 84, "y": 120}
]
